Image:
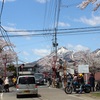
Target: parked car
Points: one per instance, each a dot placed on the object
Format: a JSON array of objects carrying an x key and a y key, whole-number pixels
[
  {"x": 26, "y": 85},
  {"x": 39, "y": 78}
]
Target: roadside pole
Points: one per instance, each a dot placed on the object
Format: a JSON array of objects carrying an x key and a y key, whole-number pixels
[
  {"x": 5, "y": 62},
  {"x": 17, "y": 66},
  {"x": 65, "y": 73},
  {"x": 86, "y": 78},
  {"x": 54, "y": 70}
]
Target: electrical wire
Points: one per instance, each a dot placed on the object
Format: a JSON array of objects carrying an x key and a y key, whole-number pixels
[
  {"x": 46, "y": 19},
  {"x": 3, "y": 32},
  {"x": 1, "y": 10},
  {"x": 50, "y": 16},
  {"x": 50, "y": 32}
]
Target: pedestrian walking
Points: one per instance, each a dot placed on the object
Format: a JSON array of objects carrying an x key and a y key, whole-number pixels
[
  {"x": 6, "y": 84},
  {"x": 62, "y": 80},
  {"x": 92, "y": 82}
]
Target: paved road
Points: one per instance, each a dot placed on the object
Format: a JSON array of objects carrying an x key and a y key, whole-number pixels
[
  {"x": 46, "y": 93},
  {"x": 58, "y": 94}
]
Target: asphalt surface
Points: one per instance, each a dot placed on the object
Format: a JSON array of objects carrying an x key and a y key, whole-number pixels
[{"x": 59, "y": 94}]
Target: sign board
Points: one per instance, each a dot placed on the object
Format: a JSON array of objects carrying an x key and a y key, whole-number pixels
[
  {"x": 26, "y": 73},
  {"x": 83, "y": 68}
]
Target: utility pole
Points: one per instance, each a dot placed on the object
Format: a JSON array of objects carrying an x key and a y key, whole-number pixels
[
  {"x": 64, "y": 73},
  {"x": 55, "y": 44},
  {"x": 5, "y": 62},
  {"x": 17, "y": 66}
]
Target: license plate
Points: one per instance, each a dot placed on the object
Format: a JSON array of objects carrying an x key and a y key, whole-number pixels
[{"x": 27, "y": 91}]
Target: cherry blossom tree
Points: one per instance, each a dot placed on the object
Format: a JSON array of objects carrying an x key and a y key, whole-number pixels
[
  {"x": 90, "y": 58},
  {"x": 5, "y": 50},
  {"x": 85, "y": 3},
  {"x": 6, "y": 54}
]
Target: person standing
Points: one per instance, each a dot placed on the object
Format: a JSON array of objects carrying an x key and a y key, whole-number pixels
[
  {"x": 92, "y": 82},
  {"x": 1, "y": 84},
  {"x": 81, "y": 81},
  {"x": 14, "y": 80},
  {"x": 75, "y": 81},
  {"x": 6, "y": 84},
  {"x": 1, "y": 80}
]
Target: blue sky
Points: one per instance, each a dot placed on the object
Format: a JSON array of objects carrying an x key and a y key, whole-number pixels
[{"x": 38, "y": 15}]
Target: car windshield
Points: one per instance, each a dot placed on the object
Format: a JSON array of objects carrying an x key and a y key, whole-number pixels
[
  {"x": 26, "y": 80},
  {"x": 38, "y": 76}
]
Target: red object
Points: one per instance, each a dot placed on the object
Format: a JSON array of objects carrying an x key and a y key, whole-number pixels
[
  {"x": 88, "y": 82},
  {"x": 36, "y": 86},
  {"x": 17, "y": 86},
  {"x": 60, "y": 67}
]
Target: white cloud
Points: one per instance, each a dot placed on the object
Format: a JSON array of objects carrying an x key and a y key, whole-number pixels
[
  {"x": 77, "y": 47},
  {"x": 13, "y": 29},
  {"x": 26, "y": 60},
  {"x": 42, "y": 1},
  {"x": 8, "y": 0},
  {"x": 25, "y": 53},
  {"x": 95, "y": 20},
  {"x": 69, "y": 46},
  {"x": 11, "y": 24},
  {"x": 41, "y": 52},
  {"x": 62, "y": 24},
  {"x": 80, "y": 47},
  {"x": 18, "y": 33}
]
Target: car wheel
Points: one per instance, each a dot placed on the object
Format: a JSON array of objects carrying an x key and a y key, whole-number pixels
[
  {"x": 17, "y": 96},
  {"x": 36, "y": 95}
]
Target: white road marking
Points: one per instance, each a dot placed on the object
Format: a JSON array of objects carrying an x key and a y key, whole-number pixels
[
  {"x": 1, "y": 96},
  {"x": 81, "y": 97}
]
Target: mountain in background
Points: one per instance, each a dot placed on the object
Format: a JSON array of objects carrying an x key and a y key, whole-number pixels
[
  {"x": 79, "y": 57},
  {"x": 97, "y": 52}
]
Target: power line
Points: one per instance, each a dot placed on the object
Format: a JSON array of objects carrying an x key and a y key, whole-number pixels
[
  {"x": 58, "y": 33},
  {"x": 47, "y": 14},
  {"x": 70, "y": 31},
  {"x": 55, "y": 44},
  {"x": 49, "y": 30},
  {"x": 1, "y": 10},
  {"x": 3, "y": 32}
]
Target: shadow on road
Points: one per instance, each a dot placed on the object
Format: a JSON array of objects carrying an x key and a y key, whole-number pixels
[{"x": 30, "y": 96}]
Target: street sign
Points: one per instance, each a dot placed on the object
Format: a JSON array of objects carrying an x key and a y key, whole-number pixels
[{"x": 83, "y": 68}]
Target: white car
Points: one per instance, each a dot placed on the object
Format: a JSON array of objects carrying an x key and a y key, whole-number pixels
[{"x": 26, "y": 85}]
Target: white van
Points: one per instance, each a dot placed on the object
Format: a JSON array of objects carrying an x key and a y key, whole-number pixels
[{"x": 26, "y": 85}]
